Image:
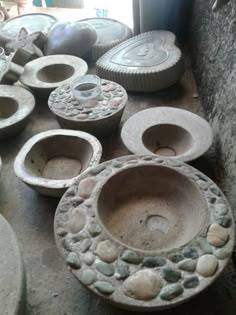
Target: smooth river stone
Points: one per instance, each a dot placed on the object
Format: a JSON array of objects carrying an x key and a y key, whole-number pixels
[
  {"x": 175, "y": 257},
  {"x": 94, "y": 229},
  {"x": 131, "y": 257},
  {"x": 77, "y": 221},
  {"x": 204, "y": 245},
  {"x": 106, "y": 269},
  {"x": 85, "y": 245},
  {"x": 73, "y": 260},
  {"x": 90, "y": 104},
  {"x": 222, "y": 253},
  {"x": 152, "y": 262},
  {"x": 187, "y": 265},
  {"x": 122, "y": 269},
  {"x": 217, "y": 236},
  {"x": 170, "y": 274},
  {"x": 144, "y": 285},
  {"x": 104, "y": 287},
  {"x": 191, "y": 282},
  {"x": 116, "y": 101},
  {"x": 221, "y": 208},
  {"x": 107, "y": 251},
  {"x": 190, "y": 252},
  {"x": 89, "y": 259},
  {"x": 88, "y": 276},
  {"x": 171, "y": 291},
  {"x": 86, "y": 186},
  {"x": 224, "y": 221},
  {"x": 207, "y": 265}
]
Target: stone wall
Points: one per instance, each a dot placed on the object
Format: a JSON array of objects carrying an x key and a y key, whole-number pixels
[{"x": 213, "y": 44}]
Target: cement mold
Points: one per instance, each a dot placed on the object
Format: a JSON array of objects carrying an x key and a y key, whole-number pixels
[
  {"x": 109, "y": 34},
  {"x": 16, "y": 105},
  {"x": 45, "y": 74},
  {"x": 10, "y": 72},
  {"x": 99, "y": 117},
  {"x": 50, "y": 161},
  {"x": 145, "y": 222},
  {"x": 12, "y": 273},
  {"x": 145, "y": 63},
  {"x": 166, "y": 131}
]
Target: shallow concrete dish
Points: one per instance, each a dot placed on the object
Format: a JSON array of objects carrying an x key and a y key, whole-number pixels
[
  {"x": 45, "y": 74},
  {"x": 16, "y": 105},
  {"x": 148, "y": 233},
  {"x": 50, "y": 161},
  {"x": 99, "y": 117},
  {"x": 12, "y": 273},
  {"x": 167, "y": 131},
  {"x": 145, "y": 63}
]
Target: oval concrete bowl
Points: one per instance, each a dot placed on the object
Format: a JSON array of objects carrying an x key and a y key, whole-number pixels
[
  {"x": 45, "y": 74},
  {"x": 100, "y": 117},
  {"x": 147, "y": 234},
  {"x": 50, "y": 161},
  {"x": 166, "y": 131},
  {"x": 16, "y": 105}
]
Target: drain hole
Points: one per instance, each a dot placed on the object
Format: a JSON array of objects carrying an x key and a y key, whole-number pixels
[{"x": 157, "y": 223}]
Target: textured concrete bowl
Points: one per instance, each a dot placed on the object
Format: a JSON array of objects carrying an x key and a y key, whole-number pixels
[
  {"x": 12, "y": 272},
  {"x": 146, "y": 233},
  {"x": 99, "y": 117},
  {"x": 166, "y": 131},
  {"x": 16, "y": 105},
  {"x": 50, "y": 161},
  {"x": 145, "y": 63},
  {"x": 45, "y": 74}
]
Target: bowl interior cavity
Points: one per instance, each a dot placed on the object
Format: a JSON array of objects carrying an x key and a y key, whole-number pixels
[
  {"x": 167, "y": 140},
  {"x": 152, "y": 208},
  {"x": 55, "y": 73},
  {"x": 59, "y": 157},
  {"x": 8, "y": 107}
]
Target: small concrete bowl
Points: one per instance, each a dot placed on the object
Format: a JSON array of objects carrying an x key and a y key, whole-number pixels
[
  {"x": 100, "y": 116},
  {"x": 166, "y": 131},
  {"x": 50, "y": 161},
  {"x": 16, "y": 105},
  {"x": 45, "y": 74},
  {"x": 148, "y": 233}
]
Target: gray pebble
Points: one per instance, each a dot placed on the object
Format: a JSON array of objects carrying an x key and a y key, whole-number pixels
[
  {"x": 88, "y": 276},
  {"x": 226, "y": 221},
  {"x": 89, "y": 259},
  {"x": 104, "y": 287},
  {"x": 171, "y": 291},
  {"x": 190, "y": 252},
  {"x": 66, "y": 244},
  {"x": 170, "y": 275},
  {"x": 131, "y": 257},
  {"x": 222, "y": 253},
  {"x": 221, "y": 208},
  {"x": 85, "y": 245},
  {"x": 151, "y": 262},
  {"x": 122, "y": 269},
  {"x": 187, "y": 265},
  {"x": 191, "y": 282},
  {"x": 94, "y": 229},
  {"x": 175, "y": 258},
  {"x": 73, "y": 260},
  {"x": 104, "y": 268},
  {"x": 61, "y": 232},
  {"x": 204, "y": 245}
]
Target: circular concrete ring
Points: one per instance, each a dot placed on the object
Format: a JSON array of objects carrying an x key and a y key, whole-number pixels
[
  {"x": 45, "y": 74},
  {"x": 12, "y": 273},
  {"x": 16, "y": 105},
  {"x": 148, "y": 234},
  {"x": 50, "y": 161},
  {"x": 167, "y": 131}
]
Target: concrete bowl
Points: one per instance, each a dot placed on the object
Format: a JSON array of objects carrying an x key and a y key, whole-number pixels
[
  {"x": 45, "y": 74},
  {"x": 170, "y": 132},
  {"x": 16, "y": 105},
  {"x": 50, "y": 161},
  {"x": 148, "y": 233}
]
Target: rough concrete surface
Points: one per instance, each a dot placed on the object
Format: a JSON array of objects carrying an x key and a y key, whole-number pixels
[{"x": 51, "y": 289}]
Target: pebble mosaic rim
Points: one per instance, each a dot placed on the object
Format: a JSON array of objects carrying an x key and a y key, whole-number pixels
[
  {"x": 170, "y": 278},
  {"x": 113, "y": 99}
]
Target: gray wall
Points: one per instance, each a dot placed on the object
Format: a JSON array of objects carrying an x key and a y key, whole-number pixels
[{"x": 213, "y": 43}]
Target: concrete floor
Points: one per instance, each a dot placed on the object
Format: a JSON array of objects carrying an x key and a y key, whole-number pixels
[{"x": 51, "y": 289}]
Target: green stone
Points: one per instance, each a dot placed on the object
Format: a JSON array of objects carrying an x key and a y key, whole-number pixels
[
  {"x": 170, "y": 274},
  {"x": 171, "y": 291},
  {"x": 190, "y": 252},
  {"x": 104, "y": 268},
  {"x": 88, "y": 276},
  {"x": 176, "y": 257},
  {"x": 73, "y": 260},
  {"x": 131, "y": 257},
  {"x": 204, "y": 245},
  {"x": 224, "y": 221},
  {"x": 94, "y": 229},
  {"x": 104, "y": 287},
  {"x": 191, "y": 282},
  {"x": 152, "y": 262},
  {"x": 122, "y": 269},
  {"x": 222, "y": 253},
  {"x": 187, "y": 265}
]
